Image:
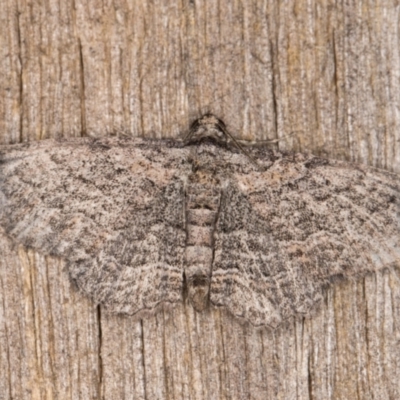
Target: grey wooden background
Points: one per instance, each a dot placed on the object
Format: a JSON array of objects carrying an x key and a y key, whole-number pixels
[{"x": 328, "y": 71}]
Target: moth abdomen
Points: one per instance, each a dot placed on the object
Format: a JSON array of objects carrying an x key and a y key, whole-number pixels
[{"x": 202, "y": 206}]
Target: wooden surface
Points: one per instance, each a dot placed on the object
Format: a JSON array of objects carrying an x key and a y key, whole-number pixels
[{"x": 328, "y": 71}]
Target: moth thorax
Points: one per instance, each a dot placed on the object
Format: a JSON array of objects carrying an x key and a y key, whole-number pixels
[
  {"x": 203, "y": 177},
  {"x": 208, "y": 133}
]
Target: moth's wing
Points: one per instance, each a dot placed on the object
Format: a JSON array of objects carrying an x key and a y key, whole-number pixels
[
  {"x": 285, "y": 233},
  {"x": 113, "y": 208}
]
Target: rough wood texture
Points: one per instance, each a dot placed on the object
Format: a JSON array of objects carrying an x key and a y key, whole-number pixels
[{"x": 327, "y": 71}]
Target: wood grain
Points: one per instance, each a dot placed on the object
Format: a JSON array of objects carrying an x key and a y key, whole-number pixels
[{"x": 327, "y": 71}]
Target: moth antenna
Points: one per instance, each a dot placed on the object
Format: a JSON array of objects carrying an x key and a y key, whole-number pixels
[
  {"x": 191, "y": 131},
  {"x": 262, "y": 142},
  {"x": 238, "y": 145},
  {"x": 121, "y": 132}
]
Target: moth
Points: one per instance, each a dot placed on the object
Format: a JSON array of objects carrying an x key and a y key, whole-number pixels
[{"x": 143, "y": 223}]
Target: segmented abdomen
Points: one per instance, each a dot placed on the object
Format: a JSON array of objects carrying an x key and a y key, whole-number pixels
[{"x": 202, "y": 207}]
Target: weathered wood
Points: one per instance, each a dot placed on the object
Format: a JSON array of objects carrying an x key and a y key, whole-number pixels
[{"x": 327, "y": 71}]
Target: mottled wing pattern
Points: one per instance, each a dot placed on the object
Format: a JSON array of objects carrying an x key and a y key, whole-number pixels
[
  {"x": 113, "y": 208},
  {"x": 288, "y": 230}
]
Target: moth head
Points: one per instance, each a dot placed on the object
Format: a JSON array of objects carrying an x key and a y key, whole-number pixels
[{"x": 207, "y": 127}]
